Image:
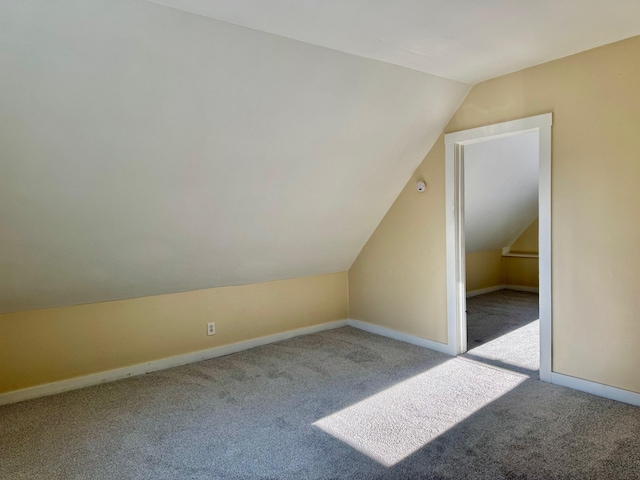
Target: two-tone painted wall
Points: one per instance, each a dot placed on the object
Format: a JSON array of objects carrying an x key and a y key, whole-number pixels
[
  {"x": 492, "y": 268},
  {"x": 399, "y": 278}
]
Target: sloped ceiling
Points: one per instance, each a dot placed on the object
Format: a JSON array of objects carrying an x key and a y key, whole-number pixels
[
  {"x": 500, "y": 191},
  {"x": 467, "y": 40},
  {"x": 146, "y": 150}
]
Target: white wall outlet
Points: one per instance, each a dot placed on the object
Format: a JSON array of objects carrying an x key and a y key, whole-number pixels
[{"x": 211, "y": 328}]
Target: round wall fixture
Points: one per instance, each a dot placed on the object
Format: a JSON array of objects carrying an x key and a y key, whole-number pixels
[{"x": 420, "y": 186}]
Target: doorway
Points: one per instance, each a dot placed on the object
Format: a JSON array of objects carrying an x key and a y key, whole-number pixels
[
  {"x": 501, "y": 252},
  {"x": 456, "y": 144}
]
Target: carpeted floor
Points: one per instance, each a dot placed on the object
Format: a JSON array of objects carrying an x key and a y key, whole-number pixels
[
  {"x": 342, "y": 404},
  {"x": 503, "y": 330}
]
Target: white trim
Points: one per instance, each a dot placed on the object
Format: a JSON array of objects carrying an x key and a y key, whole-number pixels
[
  {"x": 495, "y": 288},
  {"x": 455, "y": 251},
  {"x": 454, "y": 205},
  {"x": 482, "y": 291},
  {"x": 161, "y": 364},
  {"x": 544, "y": 249},
  {"x": 403, "y": 337},
  {"x": 498, "y": 130},
  {"x": 587, "y": 386},
  {"x": 522, "y": 288},
  {"x": 595, "y": 388}
]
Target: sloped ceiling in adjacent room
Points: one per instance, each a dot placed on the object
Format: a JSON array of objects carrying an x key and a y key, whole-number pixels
[
  {"x": 500, "y": 190},
  {"x": 146, "y": 150}
]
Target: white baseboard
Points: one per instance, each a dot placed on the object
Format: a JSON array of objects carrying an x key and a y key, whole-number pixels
[
  {"x": 403, "y": 337},
  {"x": 587, "y": 386},
  {"x": 155, "y": 365},
  {"x": 522, "y": 288},
  {"x": 595, "y": 388},
  {"x": 482, "y": 291},
  {"x": 495, "y": 288}
]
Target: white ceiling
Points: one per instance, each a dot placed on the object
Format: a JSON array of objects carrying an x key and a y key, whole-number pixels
[
  {"x": 466, "y": 40},
  {"x": 500, "y": 191},
  {"x": 144, "y": 150}
]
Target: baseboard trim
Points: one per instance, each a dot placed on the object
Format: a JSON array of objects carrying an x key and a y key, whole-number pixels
[
  {"x": 495, "y": 288},
  {"x": 522, "y": 288},
  {"x": 403, "y": 337},
  {"x": 482, "y": 291},
  {"x": 155, "y": 365},
  {"x": 595, "y": 388},
  {"x": 15, "y": 396}
]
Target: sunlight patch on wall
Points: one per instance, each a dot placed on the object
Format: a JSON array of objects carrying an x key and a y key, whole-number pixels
[{"x": 391, "y": 425}]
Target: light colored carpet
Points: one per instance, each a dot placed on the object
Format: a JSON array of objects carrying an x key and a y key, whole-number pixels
[
  {"x": 338, "y": 404},
  {"x": 503, "y": 330}
]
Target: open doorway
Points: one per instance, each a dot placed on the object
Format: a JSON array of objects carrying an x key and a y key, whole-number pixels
[
  {"x": 500, "y": 178},
  {"x": 461, "y": 146}
]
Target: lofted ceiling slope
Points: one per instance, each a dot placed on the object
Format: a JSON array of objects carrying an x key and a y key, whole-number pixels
[
  {"x": 145, "y": 150},
  {"x": 466, "y": 40},
  {"x": 500, "y": 190}
]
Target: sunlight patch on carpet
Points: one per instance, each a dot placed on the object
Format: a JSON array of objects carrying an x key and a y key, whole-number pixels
[
  {"x": 519, "y": 350},
  {"x": 391, "y": 425}
]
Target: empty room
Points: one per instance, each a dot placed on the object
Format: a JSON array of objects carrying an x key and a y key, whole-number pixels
[
  {"x": 319, "y": 239},
  {"x": 501, "y": 229}
]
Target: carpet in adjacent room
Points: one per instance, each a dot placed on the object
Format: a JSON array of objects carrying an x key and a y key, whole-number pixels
[{"x": 503, "y": 329}]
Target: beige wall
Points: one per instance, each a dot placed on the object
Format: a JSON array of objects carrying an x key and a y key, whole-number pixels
[
  {"x": 595, "y": 99},
  {"x": 490, "y": 269},
  {"x": 483, "y": 269},
  {"x": 528, "y": 241},
  {"x": 523, "y": 271},
  {"x": 398, "y": 279},
  {"x": 520, "y": 271},
  {"x": 44, "y": 346}
]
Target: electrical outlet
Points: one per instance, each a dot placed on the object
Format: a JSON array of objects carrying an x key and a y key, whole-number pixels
[{"x": 211, "y": 328}]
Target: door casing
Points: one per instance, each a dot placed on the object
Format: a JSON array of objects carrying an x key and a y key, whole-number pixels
[{"x": 454, "y": 179}]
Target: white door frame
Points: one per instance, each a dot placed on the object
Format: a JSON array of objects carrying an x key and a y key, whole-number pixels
[{"x": 454, "y": 178}]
